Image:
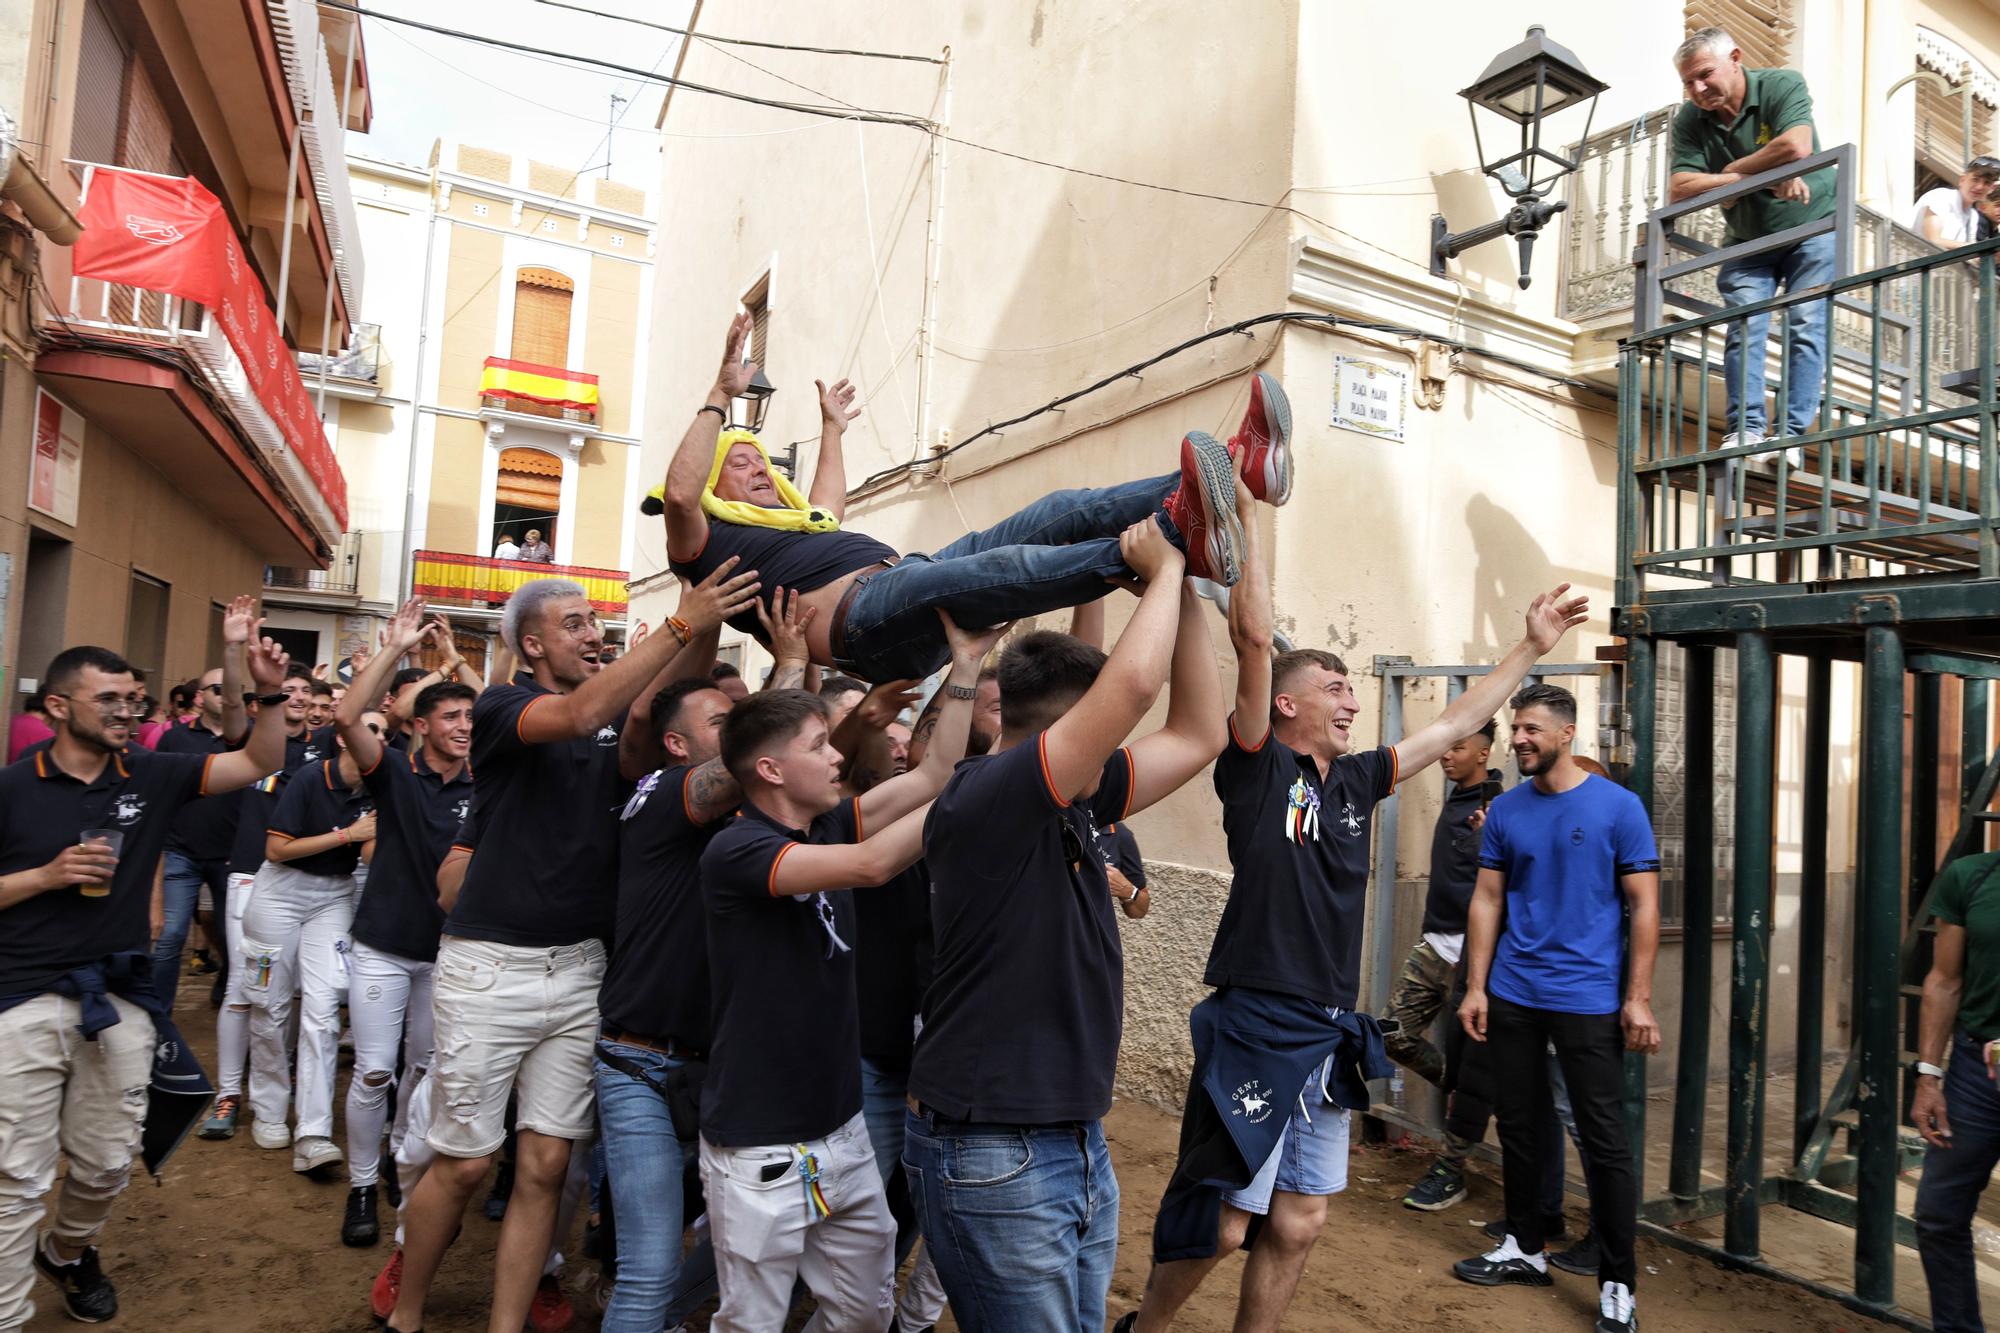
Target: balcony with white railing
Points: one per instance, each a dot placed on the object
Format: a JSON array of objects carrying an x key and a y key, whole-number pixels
[
  {"x": 316, "y": 100},
  {"x": 338, "y": 583}
]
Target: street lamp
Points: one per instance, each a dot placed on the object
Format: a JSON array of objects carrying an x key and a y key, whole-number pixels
[
  {"x": 756, "y": 399},
  {"x": 1525, "y": 84}
]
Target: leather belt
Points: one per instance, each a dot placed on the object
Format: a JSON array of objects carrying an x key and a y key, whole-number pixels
[
  {"x": 667, "y": 1046},
  {"x": 836, "y": 630}
]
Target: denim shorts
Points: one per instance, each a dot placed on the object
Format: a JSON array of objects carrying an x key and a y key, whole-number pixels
[{"x": 1311, "y": 1156}]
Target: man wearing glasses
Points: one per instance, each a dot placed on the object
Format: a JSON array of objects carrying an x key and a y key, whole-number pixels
[
  {"x": 203, "y": 831},
  {"x": 82, "y": 825}
]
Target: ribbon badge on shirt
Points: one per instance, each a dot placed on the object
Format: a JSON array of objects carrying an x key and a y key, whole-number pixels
[
  {"x": 1301, "y": 812},
  {"x": 823, "y": 908},
  {"x": 638, "y": 801}
]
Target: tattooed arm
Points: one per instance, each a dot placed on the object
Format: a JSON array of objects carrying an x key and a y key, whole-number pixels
[
  {"x": 785, "y": 625},
  {"x": 710, "y": 793}
]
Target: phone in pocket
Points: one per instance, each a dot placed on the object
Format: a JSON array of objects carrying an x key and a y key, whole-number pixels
[{"x": 774, "y": 1171}]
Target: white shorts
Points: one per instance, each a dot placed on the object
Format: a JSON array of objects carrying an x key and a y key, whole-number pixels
[{"x": 517, "y": 1019}]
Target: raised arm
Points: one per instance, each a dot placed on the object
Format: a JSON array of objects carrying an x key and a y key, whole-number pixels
[
  {"x": 606, "y": 695},
  {"x": 404, "y": 631},
  {"x": 1482, "y": 936},
  {"x": 1195, "y": 730},
  {"x": 806, "y": 867},
  {"x": 1250, "y": 631},
  {"x": 785, "y": 626},
  {"x": 1549, "y": 618},
  {"x": 862, "y": 738},
  {"x": 640, "y": 749},
  {"x": 687, "y": 473},
  {"x": 836, "y": 409},
  {"x": 264, "y": 752},
  {"x": 1086, "y": 622},
  {"x": 891, "y": 799},
  {"x": 237, "y": 623},
  {"x": 1077, "y": 746}
]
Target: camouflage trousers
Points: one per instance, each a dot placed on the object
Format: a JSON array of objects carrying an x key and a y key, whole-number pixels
[{"x": 1421, "y": 994}]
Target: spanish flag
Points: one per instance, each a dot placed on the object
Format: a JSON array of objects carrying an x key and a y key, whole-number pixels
[{"x": 548, "y": 385}]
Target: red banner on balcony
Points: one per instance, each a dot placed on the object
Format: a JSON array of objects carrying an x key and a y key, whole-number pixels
[{"x": 169, "y": 234}]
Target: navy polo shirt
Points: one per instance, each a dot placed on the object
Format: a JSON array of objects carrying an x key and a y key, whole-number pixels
[
  {"x": 545, "y": 873},
  {"x": 657, "y": 983},
  {"x": 260, "y": 799},
  {"x": 799, "y": 560},
  {"x": 417, "y": 815},
  {"x": 205, "y": 829},
  {"x": 43, "y": 810},
  {"x": 316, "y": 801},
  {"x": 1121, "y": 851},
  {"x": 892, "y": 960},
  {"x": 1026, "y": 1004},
  {"x": 1299, "y": 847},
  {"x": 785, "y": 1062}
]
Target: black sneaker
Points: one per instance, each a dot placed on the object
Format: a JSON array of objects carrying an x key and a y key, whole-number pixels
[
  {"x": 1127, "y": 1324},
  {"x": 1615, "y": 1311},
  {"x": 1580, "y": 1258},
  {"x": 360, "y": 1227},
  {"x": 503, "y": 1189},
  {"x": 87, "y": 1294},
  {"x": 1553, "y": 1228},
  {"x": 1442, "y": 1186},
  {"x": 1506, "y": 1264}
]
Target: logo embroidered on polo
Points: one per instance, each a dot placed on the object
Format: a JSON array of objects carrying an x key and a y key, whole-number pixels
[
  {"x": 1252, "y": 1103},
  {"x": 607, "y": 735},
  {"x": 462, "y": 809},
  {"x": 1576, "y": 836},
  {"x": 129, "y": 809},
  {"x": 1350, "y": 819}
]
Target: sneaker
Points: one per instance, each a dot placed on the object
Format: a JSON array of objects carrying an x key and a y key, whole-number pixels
[
  {"x": 1553, "y": 1228},
  {"x": 1127, "y": 1324},
  {"x": 360, "y": 1227},
  {"x": 1615, "y": 1309},
  {"x": 1442, "y": 1186},
  {"x": 221, "y": 1122},
  {"x": 1580, "y": 1258},
  {"x": 272, "y": 1135},
  {"x": 87, "y": 1294},
  {"x": 315, "y": 1155},
  {"x": 503, "y": 1189},
  {"x": 550, "y": 1311},
  {"x": 1262, "y": 445},
  {"x": 1203, "y": 508},
  {"x": 1503, "y": 1265},
  {"x": 204, "y": 964},
  {"x": 388, "y": 1287}
]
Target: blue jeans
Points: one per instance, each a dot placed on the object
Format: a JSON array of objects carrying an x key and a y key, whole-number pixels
[
  {"x": 1742, "y": 281},
  {"x": 884, "y": 1106},
  {"x": 645, "y": 1165},
  {"x": 1021, "y": 1221},
  {"x": 1054, "y": 554},
  {"x": 1953, "y": 1180},
  {"x": 182, "y": 890}
]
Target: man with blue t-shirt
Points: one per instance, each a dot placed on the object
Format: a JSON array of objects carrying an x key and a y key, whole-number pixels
[{"x": 1562, "y": 858}]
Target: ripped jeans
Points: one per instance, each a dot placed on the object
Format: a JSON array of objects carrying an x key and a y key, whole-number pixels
[
  {"x": 295, "y": 941},
  {"x": 87, "y": 1098}
]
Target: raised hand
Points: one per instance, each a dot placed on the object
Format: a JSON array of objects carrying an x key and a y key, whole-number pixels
[
  {"x": 239, "y": 621},
  {"x": 836, "y": 404},
  {"x": 785, "y": 625},
  {"x": 885, "y": 702},
  {"x": 1552, "y": 616},
  {"x": 969, "y": 646},
  {"x": 1147, "y": 550},
  {"x": 440, "y": 634},
  {"x": 718, "y": 597},
  {"x": 405, "y": 629},
  {"x": 737, "y": 369},
  {"x": 267, "y": 661}
]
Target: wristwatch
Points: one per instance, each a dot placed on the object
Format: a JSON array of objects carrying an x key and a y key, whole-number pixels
[
  {"x": 961, "y": 691},
  {"x": 1924, "y": 1067},
  {"x": 272, "y": 700}
]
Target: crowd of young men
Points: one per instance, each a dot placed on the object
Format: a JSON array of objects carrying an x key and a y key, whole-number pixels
[{"x": 826, "y": 990}]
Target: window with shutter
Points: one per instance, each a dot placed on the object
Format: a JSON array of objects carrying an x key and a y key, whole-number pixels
[
  {"x": 102, "y": 61},
  {"x": 758, "y": 302},
  {"x": 542, "y": 299},
  {"x": 1762, "y": 28},
  {"x": 1941, "y": 146}
]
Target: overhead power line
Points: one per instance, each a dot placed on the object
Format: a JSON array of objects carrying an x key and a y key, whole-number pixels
[{"x": 742, "y": 41}]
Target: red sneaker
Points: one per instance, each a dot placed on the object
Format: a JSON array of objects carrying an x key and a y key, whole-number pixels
[
  {"x": 1203, "y": 507},
  {"x": 1262, "y": 445},
  {"x": 551, "y": 1311},
  {"x": 388, "y": 1286}
]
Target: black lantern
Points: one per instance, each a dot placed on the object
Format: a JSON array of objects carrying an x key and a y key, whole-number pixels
[
  {"x": 756, "y": 400},
  {"x": 1525, "y": 84}
]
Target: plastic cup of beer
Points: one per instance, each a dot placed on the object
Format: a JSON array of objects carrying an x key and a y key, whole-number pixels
[{"x": 102, "y": 837}]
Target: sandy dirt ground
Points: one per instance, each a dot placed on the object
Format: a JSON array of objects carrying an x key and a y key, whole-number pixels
[{"x": 233, "y": 1240}]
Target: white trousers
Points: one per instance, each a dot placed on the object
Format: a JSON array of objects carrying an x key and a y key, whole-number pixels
[
  {"x": 295, "y": 939},
  {"x": 388, "y": 1006},
  {"x": 768, "y": 1233}
]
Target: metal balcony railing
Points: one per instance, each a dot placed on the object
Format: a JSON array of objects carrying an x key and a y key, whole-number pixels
[
  {"x": 1893, "y": 482},
  {"x": 316, "y": 101},
  {"x": 447, "y": 576},
  {"x": 341, "y": 577},
  {"x": 360, "y": 363}
]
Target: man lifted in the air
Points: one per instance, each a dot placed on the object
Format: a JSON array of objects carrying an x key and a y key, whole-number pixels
[{"x": 877, "y": 610}]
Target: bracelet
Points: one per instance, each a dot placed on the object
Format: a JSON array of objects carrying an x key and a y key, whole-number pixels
[
  {"x": 961, "y": 691},
  {"x": 272, "y": 700},
  {"x": 720, "y": 415},
  {"x": 343, "y": 836},
  {"x": 681, "y": 629},
  {"x": 1137, "y": 889},
  {"x": 1925, "y": 1067}
]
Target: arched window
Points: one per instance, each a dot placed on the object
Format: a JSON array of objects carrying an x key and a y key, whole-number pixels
[{"x": 527, "y": 496}]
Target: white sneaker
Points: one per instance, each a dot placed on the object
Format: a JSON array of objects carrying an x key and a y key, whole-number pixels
[
  {"x": 1736, "y": 437},
  {"x": 314, "y": 1152},
  {"x": 1615, "y": 1309},
  {"x": 273, "y": 1136}
]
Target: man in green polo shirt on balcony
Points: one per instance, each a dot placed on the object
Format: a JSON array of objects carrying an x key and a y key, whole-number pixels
[{"x": 1738, "y": 122}]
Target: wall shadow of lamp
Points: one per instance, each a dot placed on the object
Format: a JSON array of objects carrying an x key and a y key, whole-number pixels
[
  {"x": 1525, "y": 84},
  {"x": 750, "y": 408}
]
